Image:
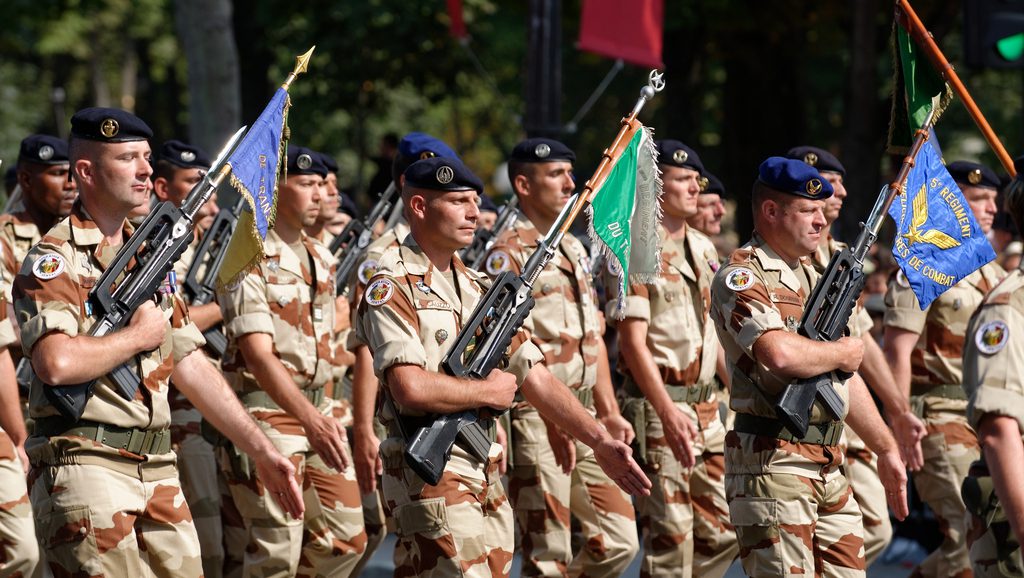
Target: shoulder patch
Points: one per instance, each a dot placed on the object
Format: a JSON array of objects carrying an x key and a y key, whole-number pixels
[
  {"x": 992, "y": 336},
  {"x": 379, "y": 292},
  {"x": 48, "y": 266},
  {"x": 739, "y": 279},
  {"x": 498, "y": 262},
  {"x": 901, "y": 279},
  {"x": 367, "y": 269}
]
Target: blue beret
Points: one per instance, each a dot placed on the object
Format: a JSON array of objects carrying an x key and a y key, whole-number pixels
[
  {"x": 184, "y": 155},
  {"x": 43, "y": 149},
  {"x": 416, "y": 146},
  {"x": 109, "y": 125},
  {"x": 976, "y": 174},
  {"x": 348, "y": 206},
  {"x": 487, "y": 205},
  {"x": 542, "y": 150},
  {"x": 442, "y": 174},
  {"x": 304, "y": 161},
  {"x": 818, "y": 158},
  {"x": 676, "y": 154},
  {"x": 794, "y": 177},
  {"x": 714, "y": 185},
  {"x": 329, "y": 162}
]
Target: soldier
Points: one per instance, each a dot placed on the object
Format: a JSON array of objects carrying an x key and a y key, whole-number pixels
[
  {"x": 329, "y": 203},
  {"x": 924, "y": 349},
  {"x": 410, "y": 314},
  {"x": 710, "y": 208},
  {"x": 994, "y": 383},
  {"x": 668, "y": 354},
  {"x": 790, "y": 502},
  {"x": 179, "y": 168},
  {"x": 105, "y": 490},
  {"x": 279, "y": 320},
  {"x": 488, "y": 213},
  {"x": 566, "y": 327},
  {"x": 861, "y": 464}
]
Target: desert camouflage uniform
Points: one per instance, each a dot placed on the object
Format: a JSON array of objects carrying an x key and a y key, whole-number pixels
[
  {"x": 936, "y": 369},
  {"x": 565, "y": 327},
  {"x": 18, "y": 233},
  {"x": 861, "y": 463},
  {"x": 411, "y": 314},
  {"x": 293, "y": 302},
  {"x": 100, "y": 509},
  {"x": 994, "y": 383},
  {"x": 685, "y": 520},
  {"x": 791, "y": 504}
]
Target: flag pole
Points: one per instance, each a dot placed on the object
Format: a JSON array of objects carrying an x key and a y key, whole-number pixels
[{"x": 924, "y": 39}]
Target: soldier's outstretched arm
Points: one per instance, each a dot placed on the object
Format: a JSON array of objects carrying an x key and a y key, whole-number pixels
[
  {"x": 794, "y": 356},
  {"x": 414, "y": 387},
  {"x": 11, "y": 420},
  {"x": 1004, "y": 453},
  {"x": 554, "y": 400},
  {"x": 205, "y": 387},
  {"x": 906, "y": 426},
  {"x": 865, "y": 420},
  {"x": 366, "y": 445}
]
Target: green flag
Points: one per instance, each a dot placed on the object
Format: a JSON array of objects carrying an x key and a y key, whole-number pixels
[
  {"x": 625, "y": 212},
  {"x": 917, "y": 89}
]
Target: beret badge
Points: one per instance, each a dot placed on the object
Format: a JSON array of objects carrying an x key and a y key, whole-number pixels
[
  {"x": 811, "y": 159},
  {"x": 974, "y": 177},
  {"x": 680, "y": 156},
  {"x": 444, "y": 174},
  {"x": 813, "y": 187},
  {"x": 304, "y": 161},
  {"x": 542, "y": 151},
  {"x": 188, "y": 156},
  {"x": 45, "y": 152},
  {"x": 427, "y": 155},
  {"x": 109, "y": 128}
]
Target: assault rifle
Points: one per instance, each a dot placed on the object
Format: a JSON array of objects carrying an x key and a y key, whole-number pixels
[
  {"x": 200, "y": 280},
  {"x": 151, "y": 252},
  {"x": 483, "y": 341},
  {"x": 350, "y": 245},
  {"x": 832, "y": 302},
  {"x": 483, "y": 239}
]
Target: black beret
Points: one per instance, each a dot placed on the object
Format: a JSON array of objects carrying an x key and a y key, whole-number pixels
[
  {"x": 347, "y": 205},
  {"x": 794, "y": 177},
  {"x": 442, "y": 174},
  {"x": 818, "y": 158},
  {"x": 43, "y": 149},
  {"x": 184, "y": 155},
  {"x": 714, "y": 185},
  {"x": 542, "y": 150},
  {"x": 304, "y": 161},
  {"x": 329, "y": 162},
  {"x": 676, "y": 154},
  {"x": 487, "y": 205},
  {"x": 109, "y": 125},
  {"x": 976, "y": 174},
  {"x": 416, "y": 146}
]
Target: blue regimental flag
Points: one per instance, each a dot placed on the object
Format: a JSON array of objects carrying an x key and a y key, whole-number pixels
[
  {"x": 938, "y": 241},
  {"x": 255, "y": 167}
]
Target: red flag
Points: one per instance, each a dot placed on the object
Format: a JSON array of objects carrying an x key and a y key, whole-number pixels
[
  {"x": 631, "y": 31},
  {"x": 458, "y": 27}
]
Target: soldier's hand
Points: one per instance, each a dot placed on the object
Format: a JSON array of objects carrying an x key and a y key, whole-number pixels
[
  {"x": 366, "y": 458},
  {"x": 909, "y": 430},
  {"x": 502, "y": 440},
  {"x": 893, "y": 476},
  {"x": 680, "y": 432},
  {"x": 618, "y": 427},
  {"x": 148, "y": 327},
  {"x": 563, "y": 446},
  {"x": 616, "y": 459},
  {"x": 853, "y": 353},
  {"x": 499, "y": 389},
  {"x": 328, "y": 440},
  {"x": 278, "y": 477}
]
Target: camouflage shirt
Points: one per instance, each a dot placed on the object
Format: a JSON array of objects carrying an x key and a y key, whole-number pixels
[
  {"x": 289, "y": 296},
  {"x": 860, "y": 321},
  {"x": 18, "y": 233},
  {"x": 50, "y": 295},
  {"x": 564, "y": 321},
  {"x": 366, "y": 269}
]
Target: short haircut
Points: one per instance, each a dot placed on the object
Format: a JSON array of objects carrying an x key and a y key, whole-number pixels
[
  {"x": 1014, "y": 202},
  {"x": 516, "y": 168},
  {"x": 165, "y": 170}
]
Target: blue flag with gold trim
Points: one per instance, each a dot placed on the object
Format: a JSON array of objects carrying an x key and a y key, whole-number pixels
[{"x": 938, "y": 241}]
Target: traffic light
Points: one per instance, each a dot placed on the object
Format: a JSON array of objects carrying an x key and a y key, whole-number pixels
[{"x": 994, "y": 33}]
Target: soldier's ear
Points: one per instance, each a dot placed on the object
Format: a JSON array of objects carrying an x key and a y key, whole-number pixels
[
  {"x": 417, "y": 205},
  {"x": 83, "y": 171},
  {"x": 521, "y": 184},
  {"x": 160, "y": 188}
]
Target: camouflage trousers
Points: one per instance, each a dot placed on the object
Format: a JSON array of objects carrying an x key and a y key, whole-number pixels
[
  {"x": 685, "y": 521},
  {"x": 328, "y": 540},
  {"x": 19, "y": 551},
  {"x": 460, "y": 527},
  {"x": 993, "y": 552},
  {"x": 789, "y": 524},
  {"x": 107, "y": 516},
  {"x": 197, "y": 466},
  {"x": 543, "y": 497},
  {"x": 949, "y": 448},
  {"x": 862, "y": 471}
]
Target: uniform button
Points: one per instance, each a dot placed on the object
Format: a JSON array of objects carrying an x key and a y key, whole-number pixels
[
  {"x": 655, "y": 467},
  {"x": 83, "y": 530}
]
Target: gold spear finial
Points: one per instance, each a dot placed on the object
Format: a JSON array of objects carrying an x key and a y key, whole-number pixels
[{"x": 301, "y": 63}]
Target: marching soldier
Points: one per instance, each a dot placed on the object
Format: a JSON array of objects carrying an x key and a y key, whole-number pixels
[
  {"x": 279, "y": 320},
  {"x": 565, "y": 326},
  {"x": 668, "y": 353},
  {"x": 411, "y": 311},
  {"x": 105, "y": 493},
  {"x": 924, "y": 349},
  {"x": 790, "y": 502},
  {"x": 329, "y": 203},
  {"x": 710, "y": 208},
  {"x": 994, "y": 383}
]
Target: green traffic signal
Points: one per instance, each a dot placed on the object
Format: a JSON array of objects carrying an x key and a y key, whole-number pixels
[{"x": 1011, "y": 48}]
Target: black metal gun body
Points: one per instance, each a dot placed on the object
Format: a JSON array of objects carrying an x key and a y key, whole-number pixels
[
  {"x": 484, "y": 239},
  {"x": 350, "y": 245}
]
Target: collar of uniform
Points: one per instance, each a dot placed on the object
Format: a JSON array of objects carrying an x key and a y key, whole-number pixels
[
  {"x": 770, "y": 261},
  {"x": 680, "y": 262},
  {"x": 415, "y": 260},
  {"x": 85, "y": 231},
  {"x": 22, "y": 224},
  {"x": 287, "y": 260},
  {"x": 526, "y": 230}
]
